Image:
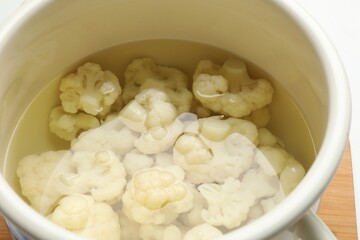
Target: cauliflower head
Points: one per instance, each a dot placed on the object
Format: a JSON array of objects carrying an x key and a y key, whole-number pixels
[
  {"x": 90, "y": 89},
  {"x": 261, "y": 184},
  {"x": 277, "y": 161},
  {"x": 217, "y": 129},
  {"x": 86, "y": 217},
  {"x": 67, "y": 125},
  {"x": 228, "y": 204},
  {"x": 98, "y": 172},
  {"x": 208, "y": 161},
  {"x": 153, "y": 115},
  {"x": 157, "y": 196},
  {"x": 228, "y": 89},
  {"x": 37, "y": 175},
  {"x": 111, "y": 135},
  {"x": 144, "y": 73}
]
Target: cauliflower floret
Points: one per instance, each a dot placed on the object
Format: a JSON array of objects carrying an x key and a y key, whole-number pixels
[
  {"x": 150, "y": 108},
  {"x": 101, "y": 173},
  {"x": 228, "y": 204},
  {"x": 157, "y": 196},
  {"x": 272, "y": 159},
  {"x": 261, "y": 184},
  {"x": 89, "y": 89},
  {"x": 135, "y": 161},
  {"x": 203, "y": 232},
  {"x": 152, "y": 114},
  {"x": 143, "y": 73},
  {"x": 67, "y": 126},
  {"x": 86, "y": 217},
  {"x": 277, "y": 161},
  {"x": 207, "y": 161},
  {"x": 111, "y": 135},
  {"x": 160, "y": 232},
  {"x": 216, "y": 129},
  {"x": 291, "y": 176},
  {"x": 228, "y": 89},
  {"x": 37, "y": 174}
]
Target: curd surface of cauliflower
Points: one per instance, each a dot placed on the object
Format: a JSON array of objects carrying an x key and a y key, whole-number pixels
[
  {"x": 228, "y": 204},
  {"x": 90, "y": 89},
  {"x": 228, "y": 89},
  {"x": 144, "y": 73},
  {"x": 37, "y": 175},
  {"x": 157, "y": 195},
  {"x": 67, "y": 125},
  {"x": 101, "y": 173},
  {"x": 155, "y": 117},
  {"x": 86, "y": 217},
  {"x": 207, "y": 161}
]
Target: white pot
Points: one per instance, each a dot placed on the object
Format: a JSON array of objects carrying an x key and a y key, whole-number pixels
[{"x": 44, "y": 36}]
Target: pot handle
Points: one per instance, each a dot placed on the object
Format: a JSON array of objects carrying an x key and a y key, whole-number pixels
[{"x": 310, "y": 226}]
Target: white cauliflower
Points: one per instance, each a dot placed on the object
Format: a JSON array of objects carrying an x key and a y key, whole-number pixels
[
  {"x": 207, "y": 161},
  {"x": 67, "y": 126},
  {"x": 143, "y": 73},
  {"x": 277, "y": 161},
  {"x": 272, "y": 159},
  {"x": 111, "y": 135},
  {"x": 86, "y": 217},
  {"x": 55, "y": 174},
  {"x": 228, "y": 89},
  {"x": 155, "y": 117},
  {"x": 160, "y": 232},
  {"x": 228, "y": 204},
  {"x": 203, "y": 232},
  {"x": 47, "y": 177},
  {"x": 217, "y": 129},
  {"x": 261, "y": 184},
  {"x": 291, "y": 176},
  {"x": 89, "y": 89},
  {"x": 101, "y": 173},
  {"x": 37, "y": 174},
  {"x": 135, "y": 161},
  {"x": 157, "y": 196}
]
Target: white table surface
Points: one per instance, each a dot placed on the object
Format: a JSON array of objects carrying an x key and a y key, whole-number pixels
[{"x": 340, "y": 19}]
